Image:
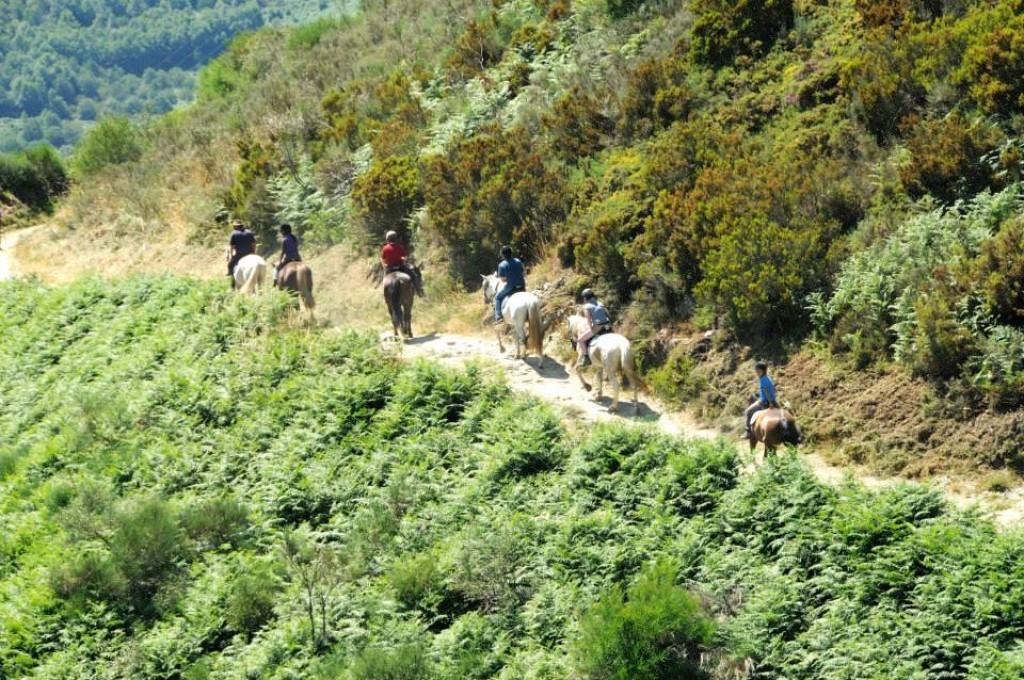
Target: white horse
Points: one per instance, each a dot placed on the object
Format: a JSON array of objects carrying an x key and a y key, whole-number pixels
[
  {"x": 611, "y": 354},
  {"x": 522, "y": 311},
  {"x": 250, "y": 274}
]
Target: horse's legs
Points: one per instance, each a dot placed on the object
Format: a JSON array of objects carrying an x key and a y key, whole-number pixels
[
  {"x": 497, "y": 334},
  {"x": 600, "y": 381},
  {"x": 613, "y": 380}
]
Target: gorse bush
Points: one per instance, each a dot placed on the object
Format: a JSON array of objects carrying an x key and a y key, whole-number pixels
[{"x": 192, "y": 490}]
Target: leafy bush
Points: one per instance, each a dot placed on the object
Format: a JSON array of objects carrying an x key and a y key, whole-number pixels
[
  {"x": 386, "y": 195},
  {"x": 993, "y": 67},
  {"x": 35, "y": 177},
  {"x": 947, "y": 157},
  {"x": 654, "y": 629},
  {"x": 491, "y": 189},
  {"x": 113, "y": 141},
  {"x": 723, "y": 31},
  {"x": 146, "y": 547},
  {"x": 409, "y": 662},
  {"x": 253, "y": 595}
]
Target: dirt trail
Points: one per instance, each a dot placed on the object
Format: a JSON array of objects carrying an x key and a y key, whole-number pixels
[
  {"x": 8, "y": 240},
  {"x": 554, "y": 384}
]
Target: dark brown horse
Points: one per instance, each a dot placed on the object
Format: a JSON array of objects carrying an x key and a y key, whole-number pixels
[
  {"x": 399, "y": 295},
  {"x": 773, "y": 427},
  {"x": 297, "y": 277}
]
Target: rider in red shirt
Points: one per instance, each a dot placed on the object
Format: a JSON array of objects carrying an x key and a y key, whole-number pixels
[{"x": 393, "y": 257}]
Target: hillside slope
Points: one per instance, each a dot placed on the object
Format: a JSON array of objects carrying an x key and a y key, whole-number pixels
[
  {"x": 189, "y": 489},
  {"x": 752, "y": 178}
]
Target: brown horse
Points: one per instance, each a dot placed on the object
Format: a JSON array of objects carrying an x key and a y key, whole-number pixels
[
  {"x": 773, "y": 427},
  {"x": 297, "y": 278},
  {"x": 399, "y": 294}
]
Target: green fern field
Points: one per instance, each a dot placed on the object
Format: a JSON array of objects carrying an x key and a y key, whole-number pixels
[{"x": 191, "y": 489}]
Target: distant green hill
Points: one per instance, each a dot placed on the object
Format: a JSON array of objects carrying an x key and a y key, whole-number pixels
[{"x": 67, "y": 62}]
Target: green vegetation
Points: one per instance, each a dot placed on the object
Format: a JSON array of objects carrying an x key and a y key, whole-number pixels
[
  {"x": 33, "y": 178},
  {"x": 761, "y": 169},
  {"x": 192, "y": 490},
  {"x": 65, "y": 64}
]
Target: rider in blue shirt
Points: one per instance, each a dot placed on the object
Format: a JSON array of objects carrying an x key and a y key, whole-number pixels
[
  {"x": 513, "y": 275},
  {"x": 765, "y": 394}
]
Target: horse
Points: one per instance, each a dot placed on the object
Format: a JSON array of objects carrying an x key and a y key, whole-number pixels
[
  {"x": 297, "y": 278},
  {"x": 611, "y": 354},
  {"x": 772, "y": 427},
  {"x": 523, "y": 311},
  {"x": 399, "y": 295},
  {"x": 250, "y": 274}
]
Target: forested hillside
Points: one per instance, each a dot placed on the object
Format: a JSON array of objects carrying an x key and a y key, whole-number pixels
[
  {"x": 839, "y": 176},
  {"x": 190, "y": 490},
  {"x": 65, "y": 63}
]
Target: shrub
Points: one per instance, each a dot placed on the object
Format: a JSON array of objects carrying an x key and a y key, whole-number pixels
[
  {"x": 36, "y": 176},
  {"x": 146, "y": 548},
  {"x": 216, "y": 522},
  {"x": 489, "y": 189},
  {"x": 889, "y": 12},
  {"x": 478, "y": 48},
  {"x": 654, "y": 629},
  {"x": 723, "y": 30},
  {"x": 112, "y": 141},
  {"x": 408, "y": 662},
  {"x": 993, "y": 66},
  {"x": 1000, "y": 273},
  {"x": 657, "y": 95},
  {"x": 577, "y": 127},
  {"x": 417, "y": 581},
  {"x": 882, "y": 83},
  {"x": 677, "y": 379},
  {"x": 948, "y": 157},
  {"x": 251, "y": 599},
  {"x": 386, "y": 195}
]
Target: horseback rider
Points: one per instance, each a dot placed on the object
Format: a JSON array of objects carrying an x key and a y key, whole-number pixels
[
  {"x": 289, "y": 249},
  {"x": 513, "y": 275},
  {"x": 242, "y": 243},
  {"x": 600, "y": 322},
  {"x": 765, "y": 394},
  {"x": 393, "y": 257}
]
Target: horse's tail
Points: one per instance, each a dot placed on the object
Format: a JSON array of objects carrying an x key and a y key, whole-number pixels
[
  {"x": 629, "y": 367},
  {"x": 536, "y": 339},
  {"x": 790, "y": 432},
  {"x": 304, "y": 279},
  {"x": 393, "y": 292}
]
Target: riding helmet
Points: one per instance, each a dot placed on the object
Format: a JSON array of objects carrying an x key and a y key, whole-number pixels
[
  {"x": 391, "y": 236},
  {"x": 761, "y": 366},
  {"x": 587, "y": 294},
  {"x": 506, "y": 251}
]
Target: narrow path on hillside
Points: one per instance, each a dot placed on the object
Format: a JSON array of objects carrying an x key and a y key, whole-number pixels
[
  {"x": 8, "y": 240},
  {"x": 554, "y": 384}
]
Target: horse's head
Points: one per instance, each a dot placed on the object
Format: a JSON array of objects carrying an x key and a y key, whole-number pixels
[{"x": 490, "y": 287}]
